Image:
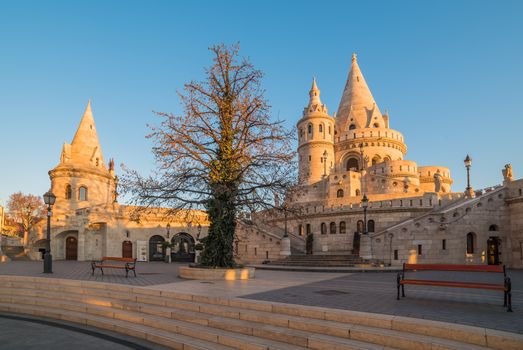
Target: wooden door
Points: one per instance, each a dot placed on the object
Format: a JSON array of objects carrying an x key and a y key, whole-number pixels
[
  {"x": 127, "y": 249},
  {"x": 493, "y": 251},
  {"x": 71, "y": 248}
]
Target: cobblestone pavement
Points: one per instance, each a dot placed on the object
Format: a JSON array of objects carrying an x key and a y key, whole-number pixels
[
  {"x": 32, "y": 333},
  {"x": 149, "y": 273},
  {"x": 376, "y": 292}
]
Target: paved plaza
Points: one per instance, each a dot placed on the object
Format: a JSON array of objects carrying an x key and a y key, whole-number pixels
[{"x": 368, "y": 292}]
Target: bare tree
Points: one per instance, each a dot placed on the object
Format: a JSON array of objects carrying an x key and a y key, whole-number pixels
[
  {"x": 224, "y": 154},
  {"x": 26, "y": 210}
]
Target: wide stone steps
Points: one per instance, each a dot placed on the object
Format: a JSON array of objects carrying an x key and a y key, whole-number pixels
[{"x": 238, "y": 323}]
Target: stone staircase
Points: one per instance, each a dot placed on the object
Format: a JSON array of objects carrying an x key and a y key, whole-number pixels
[
  {"x": 196, "y": 322},
  {"x": 323, "y": 260}
]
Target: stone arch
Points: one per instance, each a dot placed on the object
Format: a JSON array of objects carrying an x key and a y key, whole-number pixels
[
  {"x": 183, "y": 247},
  {"x": 323, "y": 228},
  {"x": 332, "y": 228},
  {"x": 59, "y": 245},
  {"x": 68, "y": 191},
  {"x": 156, "y": 250},
  {"x": 370, "y": 225},
  {"x": 339, "y": 193},
  {"x": 343, "y": 227},
  {"x": 352, "y": 163},
  {"x": 82, "y": 193},
  {"x": 357, "y": 192}
]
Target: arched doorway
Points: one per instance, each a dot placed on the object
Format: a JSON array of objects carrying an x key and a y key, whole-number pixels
[
  {"x": 183, "y": 247},
  {"x": 71, "y": 248},
  {"x": 127, "y": 249},
  {"x": 156, "y": 251},
  {"x": 353, "y": 164},
  {"x": 493, "y": 244}
]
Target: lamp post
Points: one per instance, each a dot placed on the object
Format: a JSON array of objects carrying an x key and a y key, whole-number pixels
[
  {"x": 468, "y": 163},
  {"x": 285, "y": 234},
  {"x": 168, "y": 246},
  {"x": 365, "y": 205},
  {"x": 325, "y": 163},
  {"x": 199, "y": 232},
  {"x": 49, "y": 199}
]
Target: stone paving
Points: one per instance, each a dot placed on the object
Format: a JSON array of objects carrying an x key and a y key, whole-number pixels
[
  {"x": 368, "y": 292},
  {"x": 376, "y": 292},
  {"x": 147, "y": 273}
]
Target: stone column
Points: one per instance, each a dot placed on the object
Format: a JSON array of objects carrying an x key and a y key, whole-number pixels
[
  {"x": 365, "y": 247},
  {"x": 81, "y": 244},
  {"x": 285, "y": 246}
]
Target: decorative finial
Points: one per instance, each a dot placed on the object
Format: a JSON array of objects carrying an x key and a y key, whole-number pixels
[
  {"x": 314, "y": 86},
  {"x": 354, "y": 57}
]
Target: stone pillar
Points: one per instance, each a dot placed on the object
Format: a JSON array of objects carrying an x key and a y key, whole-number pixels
[
  {"x": 285, "y": 246},
  {"x": 365, "y": 247},
  {"x": 81, "y": 244}
]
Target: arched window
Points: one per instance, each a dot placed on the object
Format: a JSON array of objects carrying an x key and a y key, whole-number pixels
[
  {"x": 376, "y": 125},
  {"x": 359, "y": 226},
  {"x": 471, "y": 237},
  {"x": 343, "y": 228},
  {"x": 333, "y": 228},
  {"x": 68, "y": 192},
  {"x": 82, "y": 193},
  {"x": 323, "y": 228},
  {"x": 339, "y": 194},
  {"x": 353, "y": 164},
  {"x": 301, "y": 132},
  {"x": 358, "y": 192},
  {"x": 300, "y": 230},
  {"x": 370, "y": 225},
  {"x": 329, "y": 129},
  {"x": 309, "y": 129},
  {"x": 320, "y": 128},
  {"x": 352, "y": 127},
  {"x": 493, "y": 228}
]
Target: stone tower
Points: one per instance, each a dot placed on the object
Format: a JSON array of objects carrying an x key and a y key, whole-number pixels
[
  {"x": 82, "y": 179},
  {"x": 315, "y": 140}
]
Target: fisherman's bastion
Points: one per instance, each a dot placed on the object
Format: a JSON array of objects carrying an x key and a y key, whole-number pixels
[{"x": 413, "y": 213}]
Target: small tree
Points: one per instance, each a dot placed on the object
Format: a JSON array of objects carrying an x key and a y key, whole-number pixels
[
  {"x": 26, "y": 210},
  {"x": 224, "y": 154}
]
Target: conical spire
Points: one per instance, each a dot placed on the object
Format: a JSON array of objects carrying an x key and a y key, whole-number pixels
[
  {"x": 314, "y": 94},
  {"x": 85, "y": 147},
  {"x": 357, "y": 102},
  {"x": 315, "y": 105}
]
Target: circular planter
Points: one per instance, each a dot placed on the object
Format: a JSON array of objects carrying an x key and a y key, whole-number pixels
[{"x": 198, "y": 273}]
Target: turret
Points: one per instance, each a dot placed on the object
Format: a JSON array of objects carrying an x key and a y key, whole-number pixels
[
  {"x": 82, "y": 179},
  {"x": 315, "y": 140}
]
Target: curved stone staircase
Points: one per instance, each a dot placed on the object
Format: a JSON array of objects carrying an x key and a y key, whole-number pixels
[{"x": 192, "y": 322}]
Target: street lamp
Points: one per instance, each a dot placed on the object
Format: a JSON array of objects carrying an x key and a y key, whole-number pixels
[
  {"x": 325, "y": 163},
  {"x": 468, "y": 163},
  {"x": 285, "y": 234},
  {"x": 365, "y": 205},
  {"x": 168, "y": 229},
  {"x": 199, "y": 232},
  {"x": 49, "y": 199}
]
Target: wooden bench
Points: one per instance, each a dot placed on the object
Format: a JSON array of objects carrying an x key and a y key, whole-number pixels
[
  {"x": 505, "y": 286},
  {"x": 108, "y": 262}
]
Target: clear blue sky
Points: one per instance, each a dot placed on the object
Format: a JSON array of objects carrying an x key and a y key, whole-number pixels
[{"x": 449, "y": 72}]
